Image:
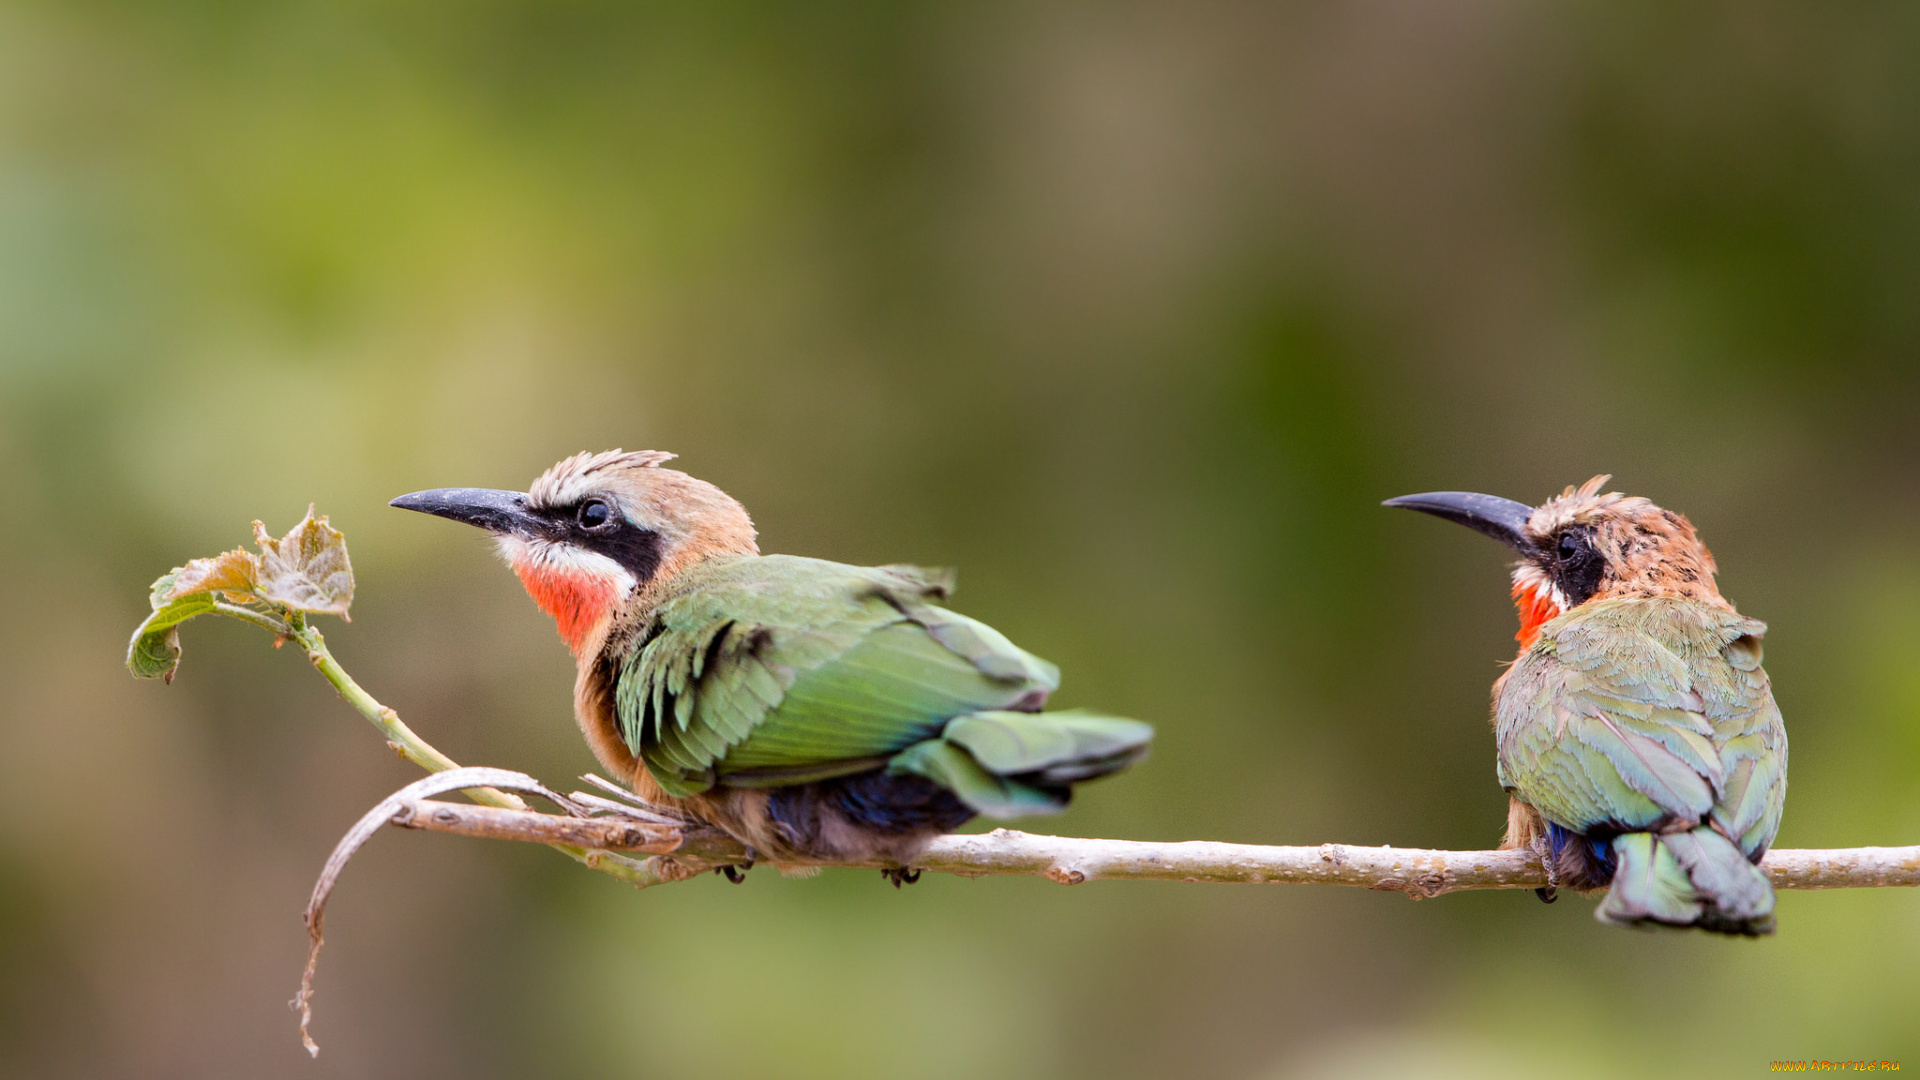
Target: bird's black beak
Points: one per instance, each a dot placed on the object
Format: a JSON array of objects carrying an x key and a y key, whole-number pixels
[
  {"x": 499, "y": 512},
  {"x": 1502, "y": 519}
]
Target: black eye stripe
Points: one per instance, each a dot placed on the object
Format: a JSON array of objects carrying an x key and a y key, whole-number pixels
[
  {"x": 1575, "y": 566},
  {"x": 594, "y": 525},
  {"x": 629, "y": 545}
]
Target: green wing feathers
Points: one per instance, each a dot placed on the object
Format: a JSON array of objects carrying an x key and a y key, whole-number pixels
[
  {"x": 1054, "y": 748},
  {"x": 1009, "y": 764},
  {"x": 1693, "y": 878},
  {"x": 1753, "y": 747},
  {"x": 1640, "y": 714},
  {"x": 1629, "y": 713},
  {"x": 769, "y": 671},
  {"x": 1649, "y": 885}
]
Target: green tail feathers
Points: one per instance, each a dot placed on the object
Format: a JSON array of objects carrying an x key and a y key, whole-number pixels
[
  {"x": 1697, "y": 878},
  {"x": 1010, "y": 764}
]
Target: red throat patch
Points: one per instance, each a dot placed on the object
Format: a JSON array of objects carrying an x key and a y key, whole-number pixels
[
  {"x": 1536, "y": 608},
  {"x": 577, "y": 601}
]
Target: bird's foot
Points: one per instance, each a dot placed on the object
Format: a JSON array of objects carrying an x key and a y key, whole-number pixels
[
  {"x": 900, "y": 875},
  {"x": 1552, "y": 892},
  {"x": 737, "y": 872}
]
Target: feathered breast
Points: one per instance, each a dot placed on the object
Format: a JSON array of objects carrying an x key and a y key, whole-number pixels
[
  {"x": 578, "y": 599},
  {"x": 1537, "y": 607}
]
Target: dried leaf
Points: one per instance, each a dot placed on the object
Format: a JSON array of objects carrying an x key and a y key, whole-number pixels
[
  {"x": 236, "y": 571},
  {"x": 154, "y": 652},
  {"x": 307, "y": 569}
]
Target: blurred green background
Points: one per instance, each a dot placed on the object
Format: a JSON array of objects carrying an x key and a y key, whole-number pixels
[{"x": 1131, "y": 312}]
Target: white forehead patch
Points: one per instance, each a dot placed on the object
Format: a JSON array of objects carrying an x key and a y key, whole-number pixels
[
  {"x": 567, "y": 490},
  {"x": 577, "y": 476}
]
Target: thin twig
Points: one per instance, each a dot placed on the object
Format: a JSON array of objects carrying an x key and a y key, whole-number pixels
[
  {"x": 422, "y": 753},
  {"x": 363, "y": 830},
  {"x": 399, "y": 735},
  {"x": 266, "y": 621}
]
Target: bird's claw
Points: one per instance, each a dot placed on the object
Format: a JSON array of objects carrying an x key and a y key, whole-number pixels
[
  {"x": 737, "y": 872},
  {"x": 1551, "y": 892},
  {"x": 900, "y": 875}
]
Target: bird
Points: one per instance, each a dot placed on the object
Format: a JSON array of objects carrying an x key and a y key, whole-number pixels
[
  {"x": 1637, "y": 734},
  {"x": 816, "y": 711}
]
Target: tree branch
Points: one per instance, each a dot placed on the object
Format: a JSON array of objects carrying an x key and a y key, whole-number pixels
[
  {"x": 681, "y": 849},
  {"x": 1418, "y": 872}
]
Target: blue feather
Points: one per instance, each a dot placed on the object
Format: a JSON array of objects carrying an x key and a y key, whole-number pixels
[{"x": 1595, "y": 852}]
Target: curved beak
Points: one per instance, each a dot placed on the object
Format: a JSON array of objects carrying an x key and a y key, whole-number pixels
[
  {"x": 499, "y": 512},
  {"x": 1502, "y": 519}
]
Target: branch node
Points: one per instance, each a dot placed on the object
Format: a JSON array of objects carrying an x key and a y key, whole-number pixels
[
  {"x": 667, "y": 868},
  {"x": 1060, "y": 875}
]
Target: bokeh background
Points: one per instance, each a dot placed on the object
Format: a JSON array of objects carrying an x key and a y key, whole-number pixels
[{"x": 1131, "y": 312}]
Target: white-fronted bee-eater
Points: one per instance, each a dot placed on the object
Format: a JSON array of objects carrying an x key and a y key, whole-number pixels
[
  {"x": 1637, "y": 732},
  {"x": 815, "y": 710}
]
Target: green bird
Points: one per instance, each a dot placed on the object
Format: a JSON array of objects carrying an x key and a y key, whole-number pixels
[
  {"x": 816, "y": 711},
  {"x": 1637, "y": 733}
]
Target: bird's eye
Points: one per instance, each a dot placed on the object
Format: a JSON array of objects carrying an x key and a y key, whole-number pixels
[
  {"x": 595, "y": 513},
  {"x": 1569, "y": 547}
]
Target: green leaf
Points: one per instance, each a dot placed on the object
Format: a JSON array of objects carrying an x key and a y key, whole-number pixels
[
  {"x": 154, "y": 652},
  {"x": 162, "y": 591},
  {"x": 306, "y": 570}
]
